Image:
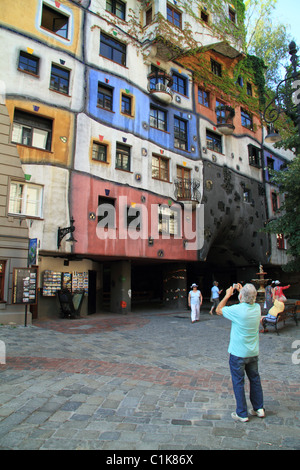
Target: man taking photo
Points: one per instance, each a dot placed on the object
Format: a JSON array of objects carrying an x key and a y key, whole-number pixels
[{"x": 244, "y": 349}]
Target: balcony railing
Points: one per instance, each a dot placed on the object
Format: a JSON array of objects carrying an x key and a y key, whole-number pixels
[
  {"x": 225, "y": 115},
  {"x": 159, "y": 85},
  {"x": 187, "y": 189}
]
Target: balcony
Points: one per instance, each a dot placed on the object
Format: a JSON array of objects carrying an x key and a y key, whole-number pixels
[
  {"x": 159, "y": 86},
  {"x": 225, "y": 115},
  {"x": 187, "y": 190}
]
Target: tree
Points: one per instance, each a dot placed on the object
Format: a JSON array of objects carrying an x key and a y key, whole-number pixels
[
  {"x": 288, "y": 222},
  {"x": 256, "y": 12},
  {"x": 271, "y": 43},
  {"x": 267, "y": 39}
]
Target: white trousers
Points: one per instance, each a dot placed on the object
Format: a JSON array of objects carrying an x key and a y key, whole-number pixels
[{"x": 195, "y": 312}]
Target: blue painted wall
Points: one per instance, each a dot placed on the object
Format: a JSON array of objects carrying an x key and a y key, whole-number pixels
[
  {"x": 140, "y": 124},
  {"x": 277, "y": 163}
]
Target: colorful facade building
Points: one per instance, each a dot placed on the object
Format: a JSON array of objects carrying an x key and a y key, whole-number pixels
[{"x": 138, "y": 124}]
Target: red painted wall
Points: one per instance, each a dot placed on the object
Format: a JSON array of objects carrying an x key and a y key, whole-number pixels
[{"x": 85, "y": 191}]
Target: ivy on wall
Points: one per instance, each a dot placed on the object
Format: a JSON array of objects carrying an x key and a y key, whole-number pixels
[
  {"x": 183, "y": 46},
  {"x": 220, "y": 23},
  {"x": 227, "y": 85}
]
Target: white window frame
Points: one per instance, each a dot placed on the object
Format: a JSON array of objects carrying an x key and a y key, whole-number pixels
[
  {"x": 32, "y": 131},
  {"x": 169, "y": 221},
  {"x": 64, "y": 11},
  {"x": 30, "y": 136},
  {"x": 19, "y": 204}
]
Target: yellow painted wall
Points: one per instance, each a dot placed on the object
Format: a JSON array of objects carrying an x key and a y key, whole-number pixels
[
  {"x": 62, "y": 134},
  {"x": 23, "y": 16}
]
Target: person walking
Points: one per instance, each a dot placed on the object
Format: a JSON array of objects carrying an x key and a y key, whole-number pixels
[
  {"x": 195, "y": 301},
  {"x": 215, "y": 296},
  {"x": 269, "y": 295},
  {"x": 244, "y": 349}
]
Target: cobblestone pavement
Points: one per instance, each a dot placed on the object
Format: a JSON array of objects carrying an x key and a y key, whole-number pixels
[{"x": 142, "y": 381}]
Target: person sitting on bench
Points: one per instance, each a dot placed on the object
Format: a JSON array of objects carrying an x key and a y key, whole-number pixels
[{"x": 277, "y": 308}]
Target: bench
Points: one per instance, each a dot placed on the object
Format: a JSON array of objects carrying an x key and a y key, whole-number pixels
[
  {"x": 290, "y": 312},
  {"x": 70, "y": 304}
]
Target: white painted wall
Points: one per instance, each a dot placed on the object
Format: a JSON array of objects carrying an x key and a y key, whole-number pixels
[
  {"x": 55, "y": 182},
  {"x": 27, "y": 85}
]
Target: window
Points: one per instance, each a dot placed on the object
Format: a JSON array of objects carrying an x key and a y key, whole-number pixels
[
  {"x": 28, "y": 63},
  {"x": 123, "y": 157},
  {"x": 126, "y": 105},
  {"x": 31, "y": 130},
  {"x": 59, "y": 80},
  {"x": 25, "y": 199},
  {"x": 179, "y": 84},
  {"x": 203, "y": 97},
  {"x": 180, "y": 134},
  {"x": 148, "y": 16},
  {"x": 112, "y": 49},
  {"x": 133, "y": 217},
  {"x": 204, "y": 16},
  {"x": 2, "y": 279},
  {"x": 270, "y": 163},
  {"x": 247, "y": 195},
  {"x": 168, "y": 221},
  {"x": 116, "y": 8},
  {"x": 232, "y": 15},
  {"x": 99, "y": 152},
  {"x": 216, "y": 68},
  {"x": 184, "y": 183},
  {"x": 281, "y": 242},
  {"x": 158, "y": 118},
  {"x": 246, "y": 119},
  {"x": 249, "y": 89},
  {"x": 240, "y": 81},
  {"x": 105, "y": 97},
  {"x": 54, "y": 21},
  {"x": 221, "y": 112},
  {"x": 213, "y": 141},
  {"x": 275, "y": 205},
  {"x": 160, "y": 168},
  {"x": 174, "y": 16},
  {"x": 254, "y": 156},
  {"x": 106, "y": 212}
]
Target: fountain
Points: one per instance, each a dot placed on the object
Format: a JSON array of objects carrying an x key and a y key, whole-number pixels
[{"x": 262, "y": 282}]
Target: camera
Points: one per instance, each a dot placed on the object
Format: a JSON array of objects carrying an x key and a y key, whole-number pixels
[{"x": 235, "y": 286}]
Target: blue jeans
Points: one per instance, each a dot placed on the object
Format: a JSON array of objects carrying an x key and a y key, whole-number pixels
[{"x": 238, "y": 367}]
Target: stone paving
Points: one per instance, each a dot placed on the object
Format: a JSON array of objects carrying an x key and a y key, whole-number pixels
[{"x": 143, "y": 381}]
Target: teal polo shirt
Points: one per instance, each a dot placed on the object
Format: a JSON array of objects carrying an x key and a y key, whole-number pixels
[{"x": 244, "y": 335}]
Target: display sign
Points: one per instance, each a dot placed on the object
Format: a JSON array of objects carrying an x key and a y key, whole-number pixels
[
  {"x": 51, "y": 283},
  {"x": 25, "y": 286},
  {"x": 54, "y": 281},
  {"x": 32, "y": 251}
]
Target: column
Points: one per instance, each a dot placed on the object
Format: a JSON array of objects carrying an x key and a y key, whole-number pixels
[{"x": 120, "y": 299}]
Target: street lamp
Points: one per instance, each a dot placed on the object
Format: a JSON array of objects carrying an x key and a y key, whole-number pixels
[
  {"x": 62, "y": 232},
  {"x": 283, "y": 101},
  {"x": 272, "y": 137}
]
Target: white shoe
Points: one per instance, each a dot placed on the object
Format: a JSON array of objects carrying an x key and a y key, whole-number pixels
[
  {"x": 260, "y": 413},
  {"x": 239, "y": 418}
]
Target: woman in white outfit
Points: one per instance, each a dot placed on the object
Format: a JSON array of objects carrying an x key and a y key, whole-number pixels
[{"x": 195, "y": 301}]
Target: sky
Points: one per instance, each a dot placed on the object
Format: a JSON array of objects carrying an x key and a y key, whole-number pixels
[{"x": 288, "y": 13}]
